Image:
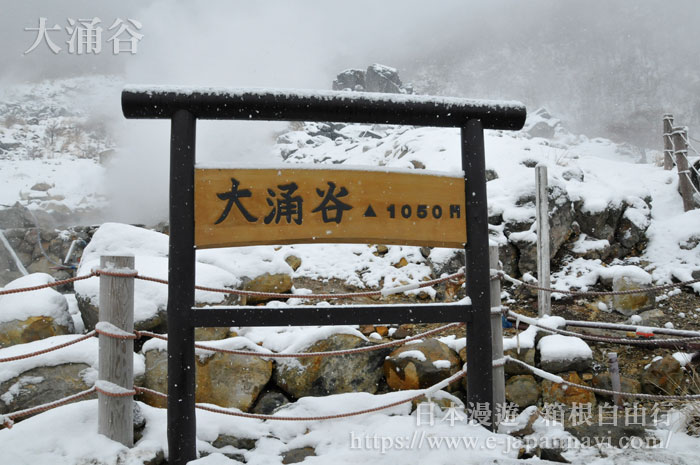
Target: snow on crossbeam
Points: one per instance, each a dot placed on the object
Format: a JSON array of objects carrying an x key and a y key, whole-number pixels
[{"x": 319, "y": 105}]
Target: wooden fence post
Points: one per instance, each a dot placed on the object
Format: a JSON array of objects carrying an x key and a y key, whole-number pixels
[
  {"x": 116, "y": 357},
  {"x": 614, "y": 369},
  {"x": 499, "y": 386},
  {"x": 680, "y": 144},
  {"x": 544, "y": 306},
  {"x": 668, "y": 143}
]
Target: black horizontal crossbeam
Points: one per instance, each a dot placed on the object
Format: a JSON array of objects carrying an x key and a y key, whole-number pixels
[
  {"x": 157, "y": 102},
  {"x": 313, "y": 315}
]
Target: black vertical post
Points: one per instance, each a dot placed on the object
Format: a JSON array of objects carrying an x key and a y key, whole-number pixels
[
  {"x": 181, "y": 366},
  {"x": 479, "y": 364}
]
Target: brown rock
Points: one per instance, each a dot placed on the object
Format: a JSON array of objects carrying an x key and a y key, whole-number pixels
[
  {"x": 322, "y": 376},
  {"x": 525, "y": 355},
  {"x": 221, "y": 379},
  {"x": 366, "y": 329},
  {"x": 32, "y": 329},
  {"x": 277, "y": 283},
  {"x": 381, "y": 250},
  {"x": 402, "y": 332},
  {"x": 298, "y": 455},
  {"x": 211, "y": 334},
  {"x": 41, "y": 187},
  {"x": 401, "y": 263},
  {"x": 293, "y": 261},
  {"x": 631, "y": 303},
  {"x": 602, "y": 381},
  {"x": 408, "y": 372},
  {"x": 382, "y": 330},
  {"x": 662, "y": 377},
  {"x": 568, "y": 395},
  {"x": 522, "y": 390},
  {"x": 528, "y": 427},
  {"x": 41, "y": 385}
]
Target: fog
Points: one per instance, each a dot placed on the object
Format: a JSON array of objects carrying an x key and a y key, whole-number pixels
[{"x": 605, "y": 68}]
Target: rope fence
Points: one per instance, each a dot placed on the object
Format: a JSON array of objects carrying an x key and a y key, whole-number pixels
[
  {"x": 8, "y": 419},
  {"x": 680, "y": 342},
  {"x": 663, "y": 287},
  {"x": 496, "y": 274},
  {"x": 50, "y": 349},
  {"x": 558, "y": 379},
  {"x": 269, "y": 295},
  {"x": 332, "y": 353},
  {"x": 112, "y": 331}
]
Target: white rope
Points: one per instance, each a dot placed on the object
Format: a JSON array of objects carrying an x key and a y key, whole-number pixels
[
  {"x": 559, "y": 380},
  {"x": 687, "y": 141}
]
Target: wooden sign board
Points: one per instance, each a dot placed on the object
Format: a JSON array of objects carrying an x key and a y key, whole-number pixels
[{"x": 237, "y": 207}]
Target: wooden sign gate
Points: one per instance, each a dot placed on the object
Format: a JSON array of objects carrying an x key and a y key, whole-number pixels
[{"x": 222, "y": 207}]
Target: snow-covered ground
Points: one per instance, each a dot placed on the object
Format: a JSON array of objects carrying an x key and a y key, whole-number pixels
[{"x": 68, "y": 436}]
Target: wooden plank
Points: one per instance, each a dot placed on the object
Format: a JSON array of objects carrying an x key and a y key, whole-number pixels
[
  {"x": 680, "y": 147},
  {"x": 499, "y": 380},
  {"x": 329, "y": 315},
  {"x": 615, "y": 378},
  {"x": 116, "y": 356},
  {"x": 544, "y": 298},
  {"x": 237, "y": 207},
  {"x": 668, "y": 143}
]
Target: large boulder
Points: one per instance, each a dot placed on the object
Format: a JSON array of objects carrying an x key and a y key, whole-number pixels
[
  {"x": 29, "y": 316},
  {"x": 523, "y": 233},
  {"x": 150, "y": 251},
  {"x": 352, "y": 79},
  {"x": 662, "y": 376},
  {"x": 322, "y": 376},
  {"x": 604, "y": 381},
  {"x": 565, "y": 394},
  {"x": 380, "y": 78},
  {"x": 15, "y": 216},
  {"x": 34, "y": 381},
  {"x": 631, "y": 304},
  {"x": 418, "y": 366},
  {"x": 277, "y": 283},
  {"x": 269, "y": 401},
  {"x": 227, "y": 380},
  {"x": 524, "y": 355},
  {"x": 631, "y": 230},
  {"x": 541, "y": 124},
  {"x": 564, "y": 353},
  {"x": 43, "y": 384},
  {"x": 561, "y": 216},
  {"x": 600, "y": 223},
  {"x": 522, "y": 390}
]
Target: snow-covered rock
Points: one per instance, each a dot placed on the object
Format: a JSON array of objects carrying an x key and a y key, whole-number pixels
[
  {"x": 150, "y": 251},
  {"x": 321, "y": 376},
  {"x": 51, "y": 376},
  {"x": 564, "y": 353},
  {"x": 223, "y": 379},
  {"x": 28, "y": 316},
  {"x": 420, "y": 365}
]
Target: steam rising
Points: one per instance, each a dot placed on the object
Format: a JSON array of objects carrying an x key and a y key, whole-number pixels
[{"x": 605, "y": 68}]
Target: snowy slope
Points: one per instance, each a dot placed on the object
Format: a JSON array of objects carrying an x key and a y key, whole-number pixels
[{"x": 610, "y": 175}]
